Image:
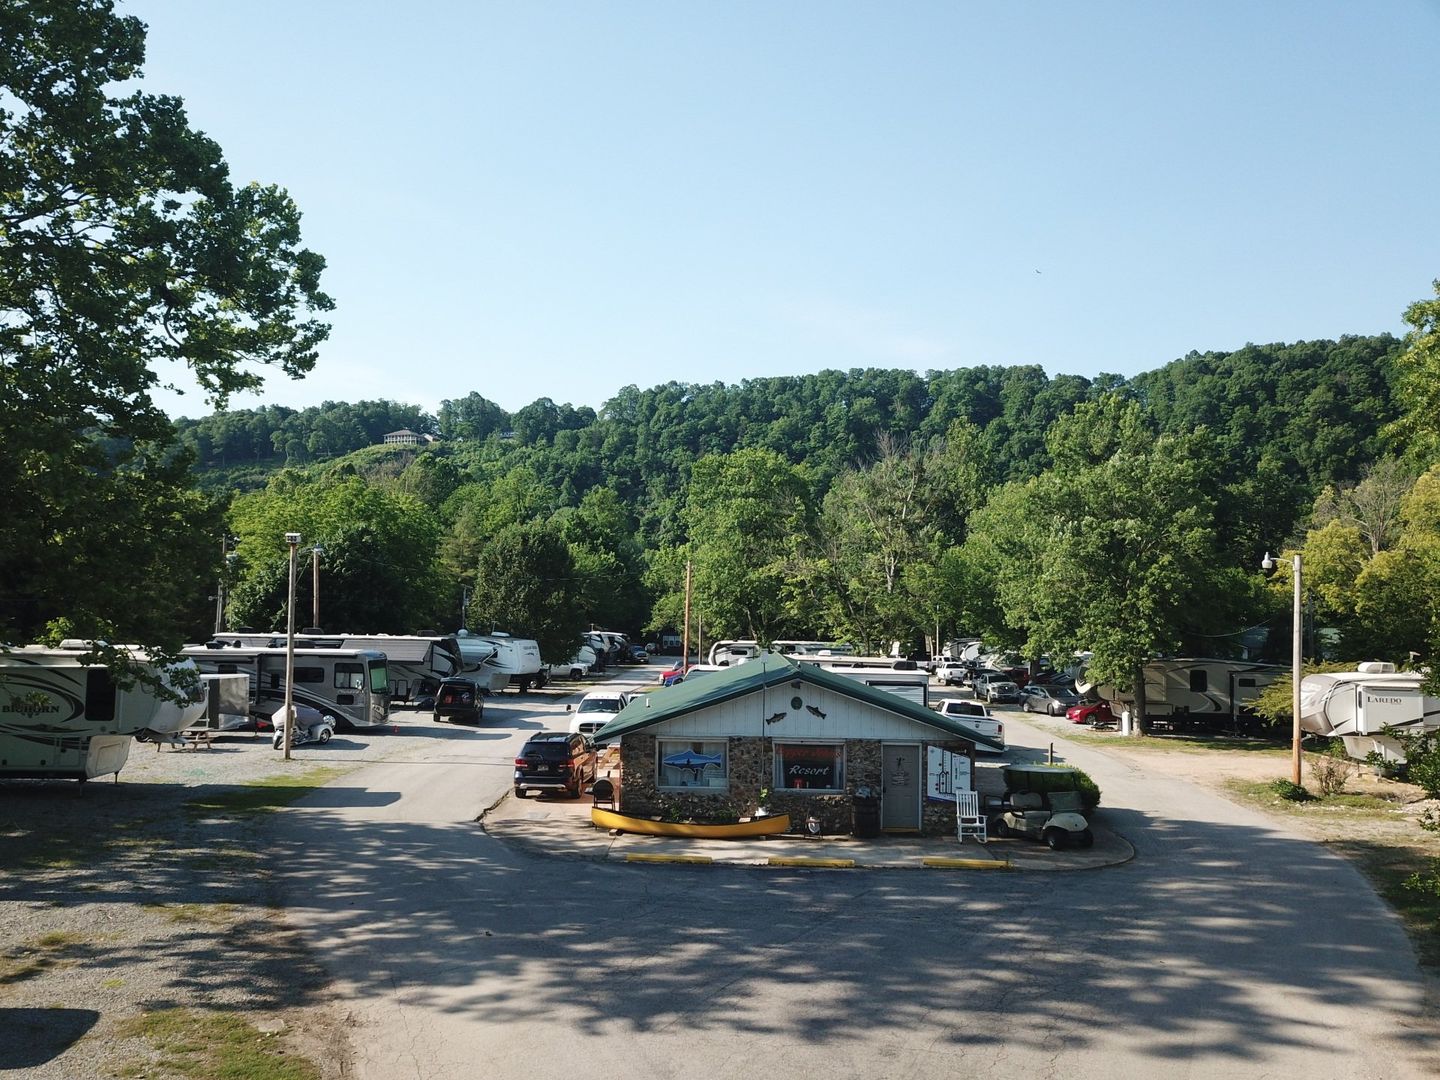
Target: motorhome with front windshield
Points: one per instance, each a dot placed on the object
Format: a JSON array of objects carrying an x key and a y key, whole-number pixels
[{"x": 353, "y": 685}]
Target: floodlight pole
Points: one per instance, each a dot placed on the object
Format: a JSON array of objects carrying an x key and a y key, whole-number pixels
[
  {"x": 293, "y": 539},
  {"x": 227, "y": 558},
  {"x": 1297, "y": 658}
]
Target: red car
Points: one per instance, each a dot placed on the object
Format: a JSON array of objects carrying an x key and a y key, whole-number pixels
[{"x": 1093, "y": 713}]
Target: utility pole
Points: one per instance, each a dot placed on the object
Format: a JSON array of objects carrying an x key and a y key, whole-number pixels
[
  {"x": 293, "y": 539},
  {"x": 315, "y": 554},
  {"x": 685, "y": 633}
]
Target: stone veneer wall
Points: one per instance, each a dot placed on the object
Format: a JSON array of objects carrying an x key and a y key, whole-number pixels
[{"x": 751, "y": 770}]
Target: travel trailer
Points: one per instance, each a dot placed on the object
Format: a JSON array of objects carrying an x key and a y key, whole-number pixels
[
  {"x": 1190, "y": 693},
  {"x": 474, "y": 652},
  {"x": 618, "y": 645},
  {"x": 416, "y": 663},
  {"x": 515, "y": 661},
  {"x": 64, "y": 719},
  {"x": 1363, "y": 706},
  {"x": 902, "y": 677},
  {"x": 353, "y": 685},
  {"x": 729, "y": 653},
  {"x": 812, "y": 648}
]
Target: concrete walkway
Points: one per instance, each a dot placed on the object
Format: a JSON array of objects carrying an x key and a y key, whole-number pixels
[{"x": 561, "y": 827}]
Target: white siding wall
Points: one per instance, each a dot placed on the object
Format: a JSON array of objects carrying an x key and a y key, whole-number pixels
[{"x": 845, "y": 718}]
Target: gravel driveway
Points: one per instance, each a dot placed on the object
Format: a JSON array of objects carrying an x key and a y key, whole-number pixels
[{"x": 154, "y": 892}]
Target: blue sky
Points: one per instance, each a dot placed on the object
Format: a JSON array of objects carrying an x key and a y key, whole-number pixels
[{"x": 559, "y": 199}]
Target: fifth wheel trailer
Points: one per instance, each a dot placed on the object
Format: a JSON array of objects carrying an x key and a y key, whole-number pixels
[
  {"x": 63, "y": 717},
  {"x": 1190, "y": 693},
  {"x": 1363, "y": 707}
]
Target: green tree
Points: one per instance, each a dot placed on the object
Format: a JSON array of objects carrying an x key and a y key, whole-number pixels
[
  {"x": 747, "y": 514},
  {"x": 609, "y": 563},
  {"x": 1418, "y": 371},
  {"x": 1118, "y": 556},
  {"x": 526, "y": 585},
  {"x": 880, "y": 546},
  {"x": 378, "y": 573},
  {"x": 123, "y": 247}
]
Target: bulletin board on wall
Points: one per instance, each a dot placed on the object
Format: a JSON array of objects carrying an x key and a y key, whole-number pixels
[{"x": 946, "y": 773}]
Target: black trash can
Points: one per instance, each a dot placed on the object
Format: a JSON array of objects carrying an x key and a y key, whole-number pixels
[{"x": 867, "y": 812}]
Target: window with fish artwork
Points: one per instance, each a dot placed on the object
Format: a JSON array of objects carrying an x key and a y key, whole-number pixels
[
  {"x": 817, "y": 767},
  {"x": 687, "y": 764}
]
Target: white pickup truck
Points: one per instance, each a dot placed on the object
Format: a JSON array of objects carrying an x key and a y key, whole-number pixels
[{"x": 974, "y": 716}]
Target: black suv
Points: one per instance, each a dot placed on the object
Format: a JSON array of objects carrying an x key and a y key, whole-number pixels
[
  {"x": 458, "y": 700},
  {"x": 555, "y": 761}
]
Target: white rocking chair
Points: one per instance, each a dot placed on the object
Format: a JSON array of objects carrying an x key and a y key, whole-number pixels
[{"x": 969, "y": 819}]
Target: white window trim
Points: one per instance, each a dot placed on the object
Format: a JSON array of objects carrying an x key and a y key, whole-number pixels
[{"x": 777, "y": 780}]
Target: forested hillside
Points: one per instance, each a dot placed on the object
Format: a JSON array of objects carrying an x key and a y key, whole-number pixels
[
  {"x": 1310, "y": 411},
  {"x": 1122, "y": 515}
]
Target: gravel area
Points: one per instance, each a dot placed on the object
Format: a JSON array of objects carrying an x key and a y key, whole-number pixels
[{"x": 121, "y": 898}]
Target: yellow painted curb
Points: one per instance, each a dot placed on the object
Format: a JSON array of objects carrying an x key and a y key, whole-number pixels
[
  {"x": 702, "y": 860},
  {"x": 801, "y": 860},
  {"x": 943, "y": 862}
]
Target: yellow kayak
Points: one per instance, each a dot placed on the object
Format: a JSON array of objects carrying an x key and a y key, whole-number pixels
[{"x": 766, "y": 826}]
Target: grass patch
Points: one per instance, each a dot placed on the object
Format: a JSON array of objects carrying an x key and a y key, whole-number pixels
[
  {"x": 69, "y": 847},
  {"x": 203, "y": 914},
  {"x": 1361, "y": 802},
  {"x": 262, "y": 796},
  {"x": 206, "y": 1046},
  {"x": 1185, "y": 744},
  {"x": 1264, "y": 793},
  {"x": 40, "y": 955}
]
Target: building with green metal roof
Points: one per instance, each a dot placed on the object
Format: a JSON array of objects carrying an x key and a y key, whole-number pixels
[{"x": 794, "y": 738}]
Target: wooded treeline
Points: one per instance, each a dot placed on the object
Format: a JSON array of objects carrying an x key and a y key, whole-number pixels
[
  {"x": 1309, "y": 412},
  {"x": 1126, "y": 516}
]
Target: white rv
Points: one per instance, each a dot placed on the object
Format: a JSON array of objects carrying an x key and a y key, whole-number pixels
[
  {"x": 728, "y": 653},
  {"x": 1191, "y": 692},
  {"x": 353, "y": 685},
  {"x": 416, "y": 663},
  {"x": 514, "y": 661},
  {"x": 61, "y": 718},
  {"x": 1361, "y": 706},
  {"x": 902, "y": 677},
  {"x": 812, "y": 648}
]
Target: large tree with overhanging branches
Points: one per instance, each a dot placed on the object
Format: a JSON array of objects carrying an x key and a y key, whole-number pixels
[{"x": 127, "y": 254}]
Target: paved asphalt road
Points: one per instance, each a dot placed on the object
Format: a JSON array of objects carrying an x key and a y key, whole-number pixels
[{"x": 1229, "y": 948}]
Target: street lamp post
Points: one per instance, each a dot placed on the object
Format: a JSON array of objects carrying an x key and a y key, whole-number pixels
[
  {"x": 227, "y": 560},
  {"x": 293, "y": 539},
  {"x": 315, "y": 554},
  {"x": 1297, "y": 638}
]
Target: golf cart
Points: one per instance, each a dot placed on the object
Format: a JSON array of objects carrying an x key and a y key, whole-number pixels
[{"x": 1043, "y": 802}]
